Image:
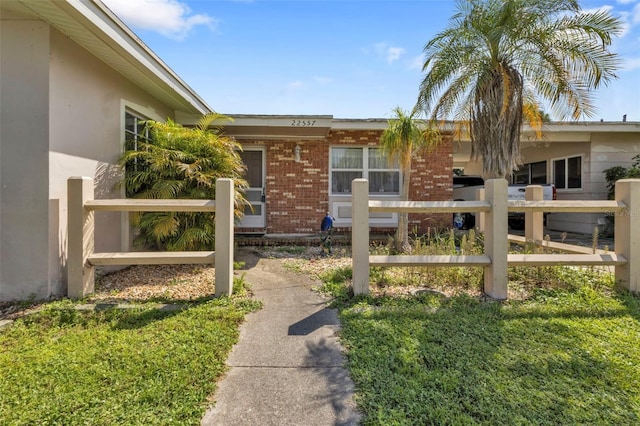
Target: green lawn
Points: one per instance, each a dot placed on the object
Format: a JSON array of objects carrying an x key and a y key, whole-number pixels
[
  {"x": 117, "y": 366},
  {"x": 563, "y": 356}
]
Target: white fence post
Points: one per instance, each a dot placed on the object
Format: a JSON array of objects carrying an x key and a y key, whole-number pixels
[
  {"x": 496, "y": 242},
  {"x": 480, "y": 215},
  {"x": 80, "y": 243},
  {"x": 224, "y": 236},
  {"x": 533, "y": 221},
  {"x": 627, "y": 234},
  {"x": 360, "y": 235}
]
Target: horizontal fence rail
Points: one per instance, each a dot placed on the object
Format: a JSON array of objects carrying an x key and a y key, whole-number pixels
[
  {"x": 81, "y": 258},
  {"x": 128, "y": 204},
  {"x": 494, "y": 206}
]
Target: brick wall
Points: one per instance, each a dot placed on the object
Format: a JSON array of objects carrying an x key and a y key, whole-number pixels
[{"x": 297, "y": 194}]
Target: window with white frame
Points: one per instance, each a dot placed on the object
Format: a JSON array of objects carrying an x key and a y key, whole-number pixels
[
  {"x": 134, "y": 130},
  {"x": 531, "y": 174},
  {"x": 349, "y": 163},
  {"x": 567, "y": 172}
]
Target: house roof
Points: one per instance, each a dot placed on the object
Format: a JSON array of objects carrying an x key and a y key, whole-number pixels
[
  {"x": 94, "y": 27},
  {"x": 256, "y": 126}
]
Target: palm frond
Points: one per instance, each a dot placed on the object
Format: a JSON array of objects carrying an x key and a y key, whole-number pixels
[
  {"x": 496, "y": 57},
  {"x": 181, "y": 162}
]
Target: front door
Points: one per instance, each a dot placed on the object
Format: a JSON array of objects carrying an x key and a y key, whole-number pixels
[{"x": 254, "y": 216}]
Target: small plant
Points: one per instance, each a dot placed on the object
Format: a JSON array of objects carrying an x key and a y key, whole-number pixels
[
  {"x": 594, "y": 240},
  {"x": 240, "y": 286}
]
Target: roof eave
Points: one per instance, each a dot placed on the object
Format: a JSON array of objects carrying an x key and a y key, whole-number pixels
[{"x": 93, "y": 26}]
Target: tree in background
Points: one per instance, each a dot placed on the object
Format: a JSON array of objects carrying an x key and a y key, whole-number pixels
[
  {"x": 500, "y": 61},
  {"x": 176, "y": 162},
  {"x": 615, "y": 173},
  {"x": 401, "y": 141}
]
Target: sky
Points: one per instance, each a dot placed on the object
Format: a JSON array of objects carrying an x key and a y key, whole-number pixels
[{"x": 345, "y": 58}]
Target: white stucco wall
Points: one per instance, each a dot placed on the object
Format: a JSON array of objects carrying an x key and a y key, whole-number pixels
[
  {"x": 24, "y": 169},
  {"x": 62, "y": 115},
  {"x": 87, "y": 104}
]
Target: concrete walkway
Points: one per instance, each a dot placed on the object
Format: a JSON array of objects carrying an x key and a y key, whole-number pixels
[{"x": 288, "y": 367}]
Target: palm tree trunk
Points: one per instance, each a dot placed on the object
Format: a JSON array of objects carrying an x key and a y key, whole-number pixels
[{"x": 402, "y": 233}]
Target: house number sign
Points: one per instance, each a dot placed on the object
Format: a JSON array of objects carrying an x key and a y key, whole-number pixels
[{"x": 303, "y": 123}]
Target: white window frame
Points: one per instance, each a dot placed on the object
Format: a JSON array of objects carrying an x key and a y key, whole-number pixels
[
  {"x": 365, "y": 171},
  {"x": 138, "y": 126},
  {"x": 566, "y": 177},
  {"x": 528, "y": 166}
]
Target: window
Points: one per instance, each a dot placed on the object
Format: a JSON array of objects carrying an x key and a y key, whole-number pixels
[
  {"x": 134, "y": 131},
  {"x": 567, "y": 173},
  {"x": 531, "y": 174},
  {"x": 351, "y": 163}
]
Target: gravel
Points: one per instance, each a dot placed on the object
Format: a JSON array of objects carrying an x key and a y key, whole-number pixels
[
  {"x": 152, "y": 282},
  {"x": 179, "y": 283}
]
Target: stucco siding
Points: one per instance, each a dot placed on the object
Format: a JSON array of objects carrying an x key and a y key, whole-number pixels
[
  {"x": 24, "y": 168},
  {"x": 87, "y": 103},
  {"x": 62, "y": 115}
]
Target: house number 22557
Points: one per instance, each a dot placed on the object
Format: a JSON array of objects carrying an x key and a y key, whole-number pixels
[{"x": 303, "y": 123}]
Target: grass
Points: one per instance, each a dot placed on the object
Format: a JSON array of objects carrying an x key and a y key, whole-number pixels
[
  {"x": 565, "y": 352},
  {"x": 143, "y": 365}
]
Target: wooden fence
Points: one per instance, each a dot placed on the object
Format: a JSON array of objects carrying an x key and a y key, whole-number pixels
[
  {"x": 82, "y": 260},
  {"x": 493, "y": 211}
]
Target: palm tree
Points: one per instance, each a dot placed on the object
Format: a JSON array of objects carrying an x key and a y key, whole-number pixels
[
  {"x": 500, "y": 61},
  {"x": 181, "y": 162},
  {"x": 401, "y": 141}
]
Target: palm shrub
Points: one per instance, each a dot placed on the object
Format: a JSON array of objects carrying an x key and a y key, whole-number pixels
[
  {"x": 403, "y": 139},
  {"x": 169, "y": 161}
]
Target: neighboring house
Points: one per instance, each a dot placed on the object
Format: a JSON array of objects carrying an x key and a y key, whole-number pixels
[
  {"x": 573, "y": 156},
  {"x": 73, "y": 78}
]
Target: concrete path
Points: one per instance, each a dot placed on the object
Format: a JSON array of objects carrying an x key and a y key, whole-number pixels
[{"x": 288, "y": 367}]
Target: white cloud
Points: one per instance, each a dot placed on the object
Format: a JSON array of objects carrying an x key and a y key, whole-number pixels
[
  {"x": 170, "y": 18},
  {"x": 394, "y": 53},
  {"x": 389, "y": 53}
]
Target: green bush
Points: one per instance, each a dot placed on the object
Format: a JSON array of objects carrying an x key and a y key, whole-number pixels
[{"x": 176, "y": 162}]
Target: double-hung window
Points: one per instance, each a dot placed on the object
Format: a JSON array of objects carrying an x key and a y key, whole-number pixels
[
  {"x": 349, "y": 163},
  {"x": 567, "y": 173}
]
